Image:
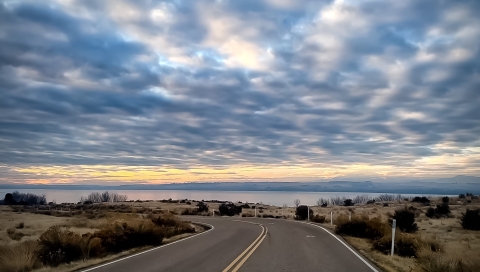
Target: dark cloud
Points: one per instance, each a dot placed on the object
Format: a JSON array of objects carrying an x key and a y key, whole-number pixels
[{"x": 374, "y": 83}]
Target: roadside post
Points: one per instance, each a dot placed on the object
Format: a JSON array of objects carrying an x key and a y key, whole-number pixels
[
  {"x": 394, "y": 225},
  {"x": 349, "y": 216},
  {"x": 331, "y": 218},
  {"x": 255, "y": 211},
  {"x": 213, "y": 212},
  {"x": 308, "y": 214}
]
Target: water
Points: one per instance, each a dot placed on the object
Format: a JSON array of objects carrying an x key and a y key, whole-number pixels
[{"x": 265, "y": 197}]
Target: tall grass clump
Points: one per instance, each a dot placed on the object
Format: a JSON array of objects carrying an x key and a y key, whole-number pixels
[{"x": 19, "y": 257}]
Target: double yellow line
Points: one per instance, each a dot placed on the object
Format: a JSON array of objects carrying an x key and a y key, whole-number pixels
[{"x": 242, "y": 258}]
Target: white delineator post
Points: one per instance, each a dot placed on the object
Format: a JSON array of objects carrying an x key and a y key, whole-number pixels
[
  {"x": 394, "y": 226},
  {"x": 255, "y": 211},
  {"x": 349, "y": 216},
  {"x": 213, "y": 212},
  {"x": 331, "y": 218},
  {"x": 308, "y": 214}
]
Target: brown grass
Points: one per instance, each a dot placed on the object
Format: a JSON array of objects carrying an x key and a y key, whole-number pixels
[{"x": 18, "y": 257}]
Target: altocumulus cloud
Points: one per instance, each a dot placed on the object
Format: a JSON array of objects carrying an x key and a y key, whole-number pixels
[{"x": 307, "y": 89}]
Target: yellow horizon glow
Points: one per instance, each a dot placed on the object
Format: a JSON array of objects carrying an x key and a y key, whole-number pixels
[{"x": 424, "y": 167}]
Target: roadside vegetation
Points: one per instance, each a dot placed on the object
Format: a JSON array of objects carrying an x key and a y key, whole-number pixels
[{"x": 70, "y": 236}]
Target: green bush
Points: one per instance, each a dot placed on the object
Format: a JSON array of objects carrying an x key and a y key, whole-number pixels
[{"x": 471, "y": 219}]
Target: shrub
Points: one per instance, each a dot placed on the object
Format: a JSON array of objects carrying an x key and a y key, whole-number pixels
[
  {"x": 422, "y": 200},
  {"x": 445, "y": 199},
  {"x": 247, "y": 215},
  {"x": 461, "y": 196},
  {"x": 202, "y": 207},
  {"x": 229, "y": 209},
  {"x": 57, "y": 246},
  {"x": 318, "y": 218},
  {"x": 362, "y": 227},
  {"x": 106, "y": 196},
  {"x": 189, "y": 212},
  {"x": 348, "y": 202},
  {"x": 405, "y": 220},
  {"x": 301, "y": 213},
  {"x": 471, "y": 219},
  {"x": 430, "y": 212},
  {"x": 14, "y": 235},
  {"x": 442, "y": 209},
  {"x": 118, "y": 236},
  {"x": 17, "y": 198},
  {"x": 405, "y": 245},
  {"x": 372, "y": 201},
  {"x": 18, "y": 257},
  {"x": 325, "y": 204},
  {"x": 20, "y": 225}
]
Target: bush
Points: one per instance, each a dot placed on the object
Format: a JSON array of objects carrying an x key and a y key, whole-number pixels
[
  {"x": 442, "y": 209},
  {"x": 371, "y": 202},
  {"x": 461, "y": 196},
  {"x": 202, "y": 207},
  {"x": 445, "y": 199},
  {"x": 318, "y": 218},
  {"x": 57, "y": 246},
  {"x": 118, "y": 236},
  {"x": 348, "y": 202},
  {"x": 430, "y": 212},
  {"x": 17, "y": 198},
  {"x": 471, "y": 219},
  {"x": 362, "y": 227},
  {"x": 301, "y": 213},
  {"x": 14, "y": 235},
  {"x": 20, "y": 225},
  {"x": 229, "y": 209},
  {"x": 189, "y": 212},
  {"x": 405, "y": 245},
  {"x": 422, "y": 200},
  {"x": 405, "y": 220}
]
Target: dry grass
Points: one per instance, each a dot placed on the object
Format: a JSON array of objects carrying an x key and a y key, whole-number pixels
[{"x": 18, "y": 257}]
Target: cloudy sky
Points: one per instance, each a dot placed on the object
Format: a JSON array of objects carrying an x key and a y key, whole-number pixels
[{"x": 150, "y": 91}]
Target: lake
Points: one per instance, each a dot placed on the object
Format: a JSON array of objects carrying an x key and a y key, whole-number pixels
[{"x": 266, "y": 197}]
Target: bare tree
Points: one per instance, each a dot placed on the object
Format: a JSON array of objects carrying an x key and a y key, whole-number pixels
[{"x": 296, "y": 202}]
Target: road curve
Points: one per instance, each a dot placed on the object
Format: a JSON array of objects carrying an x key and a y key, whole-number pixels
[
  {"x": 211, "y": 251},
  {"x": 296, "y": 246}
]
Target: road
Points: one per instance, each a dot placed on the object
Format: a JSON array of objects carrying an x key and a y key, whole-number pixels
[{"x": 248, "y": 244}]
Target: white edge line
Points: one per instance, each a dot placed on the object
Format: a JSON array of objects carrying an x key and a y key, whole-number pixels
[
  {"x": 152, "y": 249},
  {"x": 343, "y": 243}
]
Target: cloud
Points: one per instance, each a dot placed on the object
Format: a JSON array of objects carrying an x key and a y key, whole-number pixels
[{"x": 208, "y": 85}]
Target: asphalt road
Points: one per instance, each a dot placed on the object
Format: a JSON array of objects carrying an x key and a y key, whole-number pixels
[
  {"x": 295, "y": 246},
  {"x": 211, "y": 251},
  {"x": 285, "y": 246}
]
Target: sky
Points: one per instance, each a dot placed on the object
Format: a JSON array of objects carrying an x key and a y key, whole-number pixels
[{"x": 145, "y": 91}]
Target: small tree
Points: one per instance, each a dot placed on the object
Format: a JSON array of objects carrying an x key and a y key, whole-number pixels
[
  {"x": 445, "y": 199},
  {"x": 296, "y": 202}
]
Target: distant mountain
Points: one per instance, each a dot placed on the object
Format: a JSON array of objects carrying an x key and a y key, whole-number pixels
[{"x": 446, "y": 186}]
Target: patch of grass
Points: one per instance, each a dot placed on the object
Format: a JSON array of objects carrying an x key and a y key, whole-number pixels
[{"x": 19, "y": 257}]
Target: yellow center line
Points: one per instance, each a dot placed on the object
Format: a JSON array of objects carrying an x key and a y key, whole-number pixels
[
  {"x": 250, "y": 253},
  {"x": 246, "y": 250}
]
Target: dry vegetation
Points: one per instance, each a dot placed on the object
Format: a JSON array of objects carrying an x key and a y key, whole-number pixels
[{"x": 67, "y": 237}]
